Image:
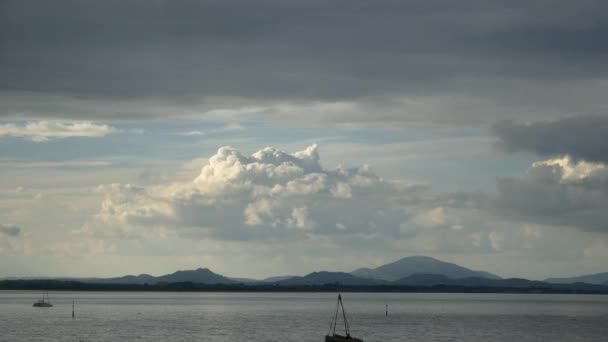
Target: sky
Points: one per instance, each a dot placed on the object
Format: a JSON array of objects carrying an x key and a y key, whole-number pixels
[{"x": 274, "y": 137}]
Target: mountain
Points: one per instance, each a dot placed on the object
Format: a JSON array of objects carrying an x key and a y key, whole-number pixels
[
  {"x": 322, "y": 278},
  {"x": 597, "y": 278},
  {"x": 200, "y": 276},
  {"x": 244, "y": 280},
  {"x": 422, "y": 280},
  {"x": 129, "y": 279},
  {"x": 437, "y": 279},
  {"x": 488, "y": 275},
  {"x": 322, "y": 281},
  {"x": 419, "y": 265},
  {"x": 277, "y": 278}
]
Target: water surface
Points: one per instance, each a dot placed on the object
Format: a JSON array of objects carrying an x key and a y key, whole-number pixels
[{"x": 302, "y": 317}]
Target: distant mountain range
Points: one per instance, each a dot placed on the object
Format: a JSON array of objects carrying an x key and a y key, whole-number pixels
[
  {"x": 598, "y": 278},
  {"x": 382, "y": 275},
  {"x": 278, "y": 278},
  {"x": 200, "y": 276},
  {"x": 415, "y": 271},
  {"x": 320, "y": 278}
]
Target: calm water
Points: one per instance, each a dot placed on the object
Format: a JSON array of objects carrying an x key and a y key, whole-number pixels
[{"x": 266, "y": 317}]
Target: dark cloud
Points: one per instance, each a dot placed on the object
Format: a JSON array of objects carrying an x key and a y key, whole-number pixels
[
  {"x": 557, "y": 192},
  {"x": 553, "y": 204},
  {"x": 581, "y": 138},
  {"x": 314, "y": 49},
  {"x": 554, "y": 193},
  {"x": 10, "y": 230}
]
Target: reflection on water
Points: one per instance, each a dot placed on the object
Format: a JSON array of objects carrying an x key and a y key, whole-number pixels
[{"x": 267, "y": 317}]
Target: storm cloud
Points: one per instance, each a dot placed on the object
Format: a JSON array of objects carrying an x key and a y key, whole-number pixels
[
  {"x": 555, "y": 192},
  {"x": 187, "y": 53},
  {"x": 581, "y": 138}
]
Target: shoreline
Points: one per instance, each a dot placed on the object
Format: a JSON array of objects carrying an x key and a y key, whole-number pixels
[{"x": 59, "y": 285}]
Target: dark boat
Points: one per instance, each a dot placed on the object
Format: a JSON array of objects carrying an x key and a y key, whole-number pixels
[
  {"x": 340, "y": 338},
  {"x": 45, "y": 302},
  {"x": 331, "y": 335}
]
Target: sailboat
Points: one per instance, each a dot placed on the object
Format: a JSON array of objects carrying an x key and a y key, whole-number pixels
[
  {"x": 45, "y": 302},
  {"x": 332, "y": 336}
]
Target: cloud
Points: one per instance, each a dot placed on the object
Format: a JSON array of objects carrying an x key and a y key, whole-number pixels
[
  {"x": 270, "y": 195},
  {"x": 291, "y": 209},
  {"x": 273, "y": 196},
  {"x": 569, "y": 189},
  {"x": 10, "y": 230},
  {"x": 191, "y": 133},
  {"x": 89, "y": 60},
  {"x": 557, "y": 192},
  {"x": 580, "y": 138},
  {"x": 43, "y": 131},
  {"x": 60, "y": 164},
  {"x": 432, "y": 218}
]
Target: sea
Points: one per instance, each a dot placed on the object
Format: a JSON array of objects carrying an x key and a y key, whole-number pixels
[{"x": 298, "y": 317}]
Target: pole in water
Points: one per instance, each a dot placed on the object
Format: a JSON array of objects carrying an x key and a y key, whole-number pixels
[
  {"x": 386, "y": 313},
  {"x": 73, "y": 316}
]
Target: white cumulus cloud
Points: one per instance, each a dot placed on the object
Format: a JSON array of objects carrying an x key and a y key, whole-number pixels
[{"x": 269, "y": 195}]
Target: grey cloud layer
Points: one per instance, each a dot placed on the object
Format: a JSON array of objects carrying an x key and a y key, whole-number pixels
[
  {"x": 570, "y": 188},
  {"x": 581, "y": 138},
  {"x": 307, "y": 50},
  {"x": 10, "y": 230},
  {"x": 557, "y": 192}
]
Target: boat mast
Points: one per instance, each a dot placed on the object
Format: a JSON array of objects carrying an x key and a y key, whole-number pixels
[
  {"x": 346, "y": 328},
  {"x": 334, "y": 322}
]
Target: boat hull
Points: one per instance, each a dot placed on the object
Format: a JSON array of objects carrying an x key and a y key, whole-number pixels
[
  {"x": 42, "y": 305},
  {"x": 340, "y": 338}
]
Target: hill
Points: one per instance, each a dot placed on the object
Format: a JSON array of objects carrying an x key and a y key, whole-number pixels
[
  {"x": 597, "y": 278},
  {"x": 324, "y": 282},
  {"x": 419, "y": 265},
  {"x": 322, "y": 278},
  {"x": 277, "y": 278},
  {"x": 199, "y": 276},
  {"x": 434, "y": 280}
]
